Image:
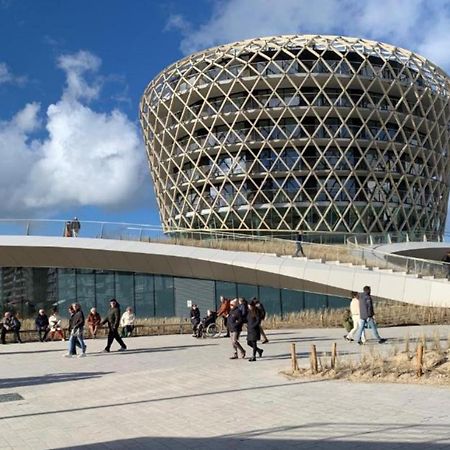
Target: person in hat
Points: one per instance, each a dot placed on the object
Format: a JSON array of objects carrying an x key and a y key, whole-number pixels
[{"x": 113, "y": 321}]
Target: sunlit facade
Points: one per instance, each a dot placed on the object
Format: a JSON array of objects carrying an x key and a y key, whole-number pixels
[{"x": 320, "y": 133}]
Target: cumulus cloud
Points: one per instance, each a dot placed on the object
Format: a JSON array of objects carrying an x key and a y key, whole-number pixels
[
  {"x": 86, "y": 157},
  {"x": 418, "y": 25}
]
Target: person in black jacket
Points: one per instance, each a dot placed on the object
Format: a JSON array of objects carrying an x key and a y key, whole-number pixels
[
  {"x": 243, "y": 308},
  {"x": 113, "y": 321},
  {"x": 10, "y": 324},
  {"x": 235, "y": 323},
  {"x": 42, "y": 325},
  {"x": 262, "y": 314},
  {"x": 76, "y": 329},
  {"x": 195, "y": 319},
  {"x": 253, "y": 330}
]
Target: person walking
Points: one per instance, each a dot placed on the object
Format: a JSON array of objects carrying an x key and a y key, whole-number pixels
[
  {"x": 42, "y": 323},
  {"x": 73, "y": 343},
  {"x": 253, "y": 330},
  {"x": 262, "y": 314},
  {"x": 366, "y": 317},
  {"x": 354, "y": 311},
  {"x": 75, "y": 227},
  {"x": 127, "y": 322},
  {"x": 243, "y": 308},
  {"x": 76, "y": 332},
  {"x": 235, "y": 323},
  {"x": 113, "y": 321},
  {"x": 195, "y": 319},
  {"x": 299, "y": 244},
  {"x": 93, "y": 321}
]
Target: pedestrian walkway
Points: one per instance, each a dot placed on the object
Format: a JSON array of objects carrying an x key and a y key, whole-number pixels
[{"x": 177, "y": 392}]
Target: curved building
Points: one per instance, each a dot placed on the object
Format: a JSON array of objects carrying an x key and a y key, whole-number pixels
[{"x": 319, "y": 133}]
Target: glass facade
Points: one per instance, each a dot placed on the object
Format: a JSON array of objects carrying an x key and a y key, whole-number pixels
[{"x": 26, "y": 290}]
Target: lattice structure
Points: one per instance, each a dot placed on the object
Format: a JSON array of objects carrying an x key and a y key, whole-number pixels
[{"x": 320, "y": 133}]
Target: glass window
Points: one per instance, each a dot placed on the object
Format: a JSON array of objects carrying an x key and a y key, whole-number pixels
[
  {"x": 104, "y": 290},
  {"x": 337, "y": 302},
  {"x": 247, "y": 291},
  {"x": 85, "y": 288},
  {"x": 164, "y": 296},
  {"x": 144, "y": 295},
  {"x": 67, "y": 288},
  {"x": 315, "y": 301},
  {"x": 225, "y": 289},
  {"x": 125, "y": 289},
  {"x": 292, "y": 301},
  {"x": 271, "y": 299}
]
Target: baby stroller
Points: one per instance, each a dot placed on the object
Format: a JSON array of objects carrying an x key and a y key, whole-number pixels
[{"x": 207, "y": 326}]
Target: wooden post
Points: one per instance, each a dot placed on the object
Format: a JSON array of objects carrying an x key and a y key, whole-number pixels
[
  {"x": 313, "y": 359},
  {"x": 294, "y": 358},
  {"x": 419, "y": 362},
  {"x": 333, "y": 355}
]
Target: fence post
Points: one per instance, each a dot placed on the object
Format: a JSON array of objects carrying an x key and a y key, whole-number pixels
[
  {"x": 419, "y": 362},
  {"x": 294, "y": 358},
  {"x": 333, "y": 355},
  {"x": 313, "y": 359}
]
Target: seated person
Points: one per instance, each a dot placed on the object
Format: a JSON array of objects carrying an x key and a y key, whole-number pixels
[
  {"x": 42, "y": 325},
  {"x": 10, "y": 324},
  {"x": 93, "y": 320},
  {"x": 210, "y": 318},
  {"x": 127, "y": 322},
  {"x": 55, "y": 325}
]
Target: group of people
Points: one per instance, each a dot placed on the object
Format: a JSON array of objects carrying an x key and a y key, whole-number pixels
[
  {"x": 72, "y": 228},
  {"x": 49, "y": 326},
  {"x": 235, "y": 313},
  {"x": 363, "y": 316}
]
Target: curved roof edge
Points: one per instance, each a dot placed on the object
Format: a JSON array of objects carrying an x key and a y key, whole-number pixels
[{"x": 220, "y": 265}]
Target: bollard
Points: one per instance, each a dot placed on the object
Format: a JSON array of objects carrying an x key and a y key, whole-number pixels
[
  {"x": 333, "y": 355},
  {"x": 419, "y": 360},
  {"x": 294, "y": 358},
  {"x": 313, "y": 359}
]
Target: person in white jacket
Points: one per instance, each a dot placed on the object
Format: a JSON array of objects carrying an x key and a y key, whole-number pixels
[
  {"x": 127, "y": 322},
  {"x": 354, "y": 310}
]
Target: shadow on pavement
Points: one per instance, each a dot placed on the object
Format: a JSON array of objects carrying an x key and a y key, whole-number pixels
[
  {"x": 149, "y": 350},
  {"x": 231, "y": 442},
  {"x": 8, "y": 383}
]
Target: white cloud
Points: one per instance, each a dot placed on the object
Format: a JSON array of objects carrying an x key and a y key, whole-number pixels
[
  {"x": 418, "y": 25},
  {"x": 86, "y": 157},
  {"x": 6, "y": 76}
]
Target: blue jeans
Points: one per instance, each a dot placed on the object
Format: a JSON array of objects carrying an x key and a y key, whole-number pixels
[
  {"x": 370, "y": 324},
  {"x": 75, "y": 340}
]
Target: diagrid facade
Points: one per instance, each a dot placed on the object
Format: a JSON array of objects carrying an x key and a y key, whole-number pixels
[{"x": 319, "y": 133}]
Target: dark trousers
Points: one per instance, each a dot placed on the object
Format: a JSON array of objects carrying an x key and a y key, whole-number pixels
[
  {"x": 43, "y": 333},
  {"x": 14, "y": 330},
  {"x": 113, "y": 334},
  {"x": 254, "y": 347}
]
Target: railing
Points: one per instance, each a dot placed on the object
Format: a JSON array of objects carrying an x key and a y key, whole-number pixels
[{"x": 347, "y": 248}]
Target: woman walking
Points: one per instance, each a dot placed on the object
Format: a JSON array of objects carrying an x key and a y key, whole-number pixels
[
  {"x": 253, "y": 330},
  {"x": 354, "y": 311}
]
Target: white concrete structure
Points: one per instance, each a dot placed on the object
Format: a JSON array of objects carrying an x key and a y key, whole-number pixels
[{"x": 242, "y": 267}]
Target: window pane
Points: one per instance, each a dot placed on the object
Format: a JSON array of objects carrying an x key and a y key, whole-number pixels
[
  {"x": 292, "y": 301},
  {"x": 247, "y": 291},
  {"x": 125, "y": 289},
  {"x": 85, "y": 289},
  {"x": 104, "y": 290},
  {"x": 270, "y": 298},
  {"x": 143, "y": 295},
  {"x": 164, "y": 296},
  {"x": 315, "y": 301},
  {"x": 66, "y": 290},
  {"x": 225, "y": 289}
]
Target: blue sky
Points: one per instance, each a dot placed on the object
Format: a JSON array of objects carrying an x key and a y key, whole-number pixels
[{"x": 72, "y": 74}]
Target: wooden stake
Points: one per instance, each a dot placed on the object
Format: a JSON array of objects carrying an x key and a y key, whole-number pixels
[
  {"x": 294, "y": 358},
  {"x": 419, "y": 362},
  {"x": 313, "y": 359},
  {"x": 333, "y": 355}
]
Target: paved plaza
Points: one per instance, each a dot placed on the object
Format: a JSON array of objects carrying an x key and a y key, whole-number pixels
[{"x": 176, "y": 392}]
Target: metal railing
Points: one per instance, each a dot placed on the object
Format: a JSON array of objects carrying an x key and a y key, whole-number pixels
[{"x": 351, "y": 250}]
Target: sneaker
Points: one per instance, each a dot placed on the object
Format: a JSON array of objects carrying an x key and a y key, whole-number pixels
[
  {"x": 251, "y": 359},
  {"x": 122, "y": 349},
  {"x": 82, "y": 355},
  {"x": 106, "y": 350},
  {"x": 360, "y": 343},
  {"x": 265, "y": 341},
  {"x": 68, "y": 355},
  {"x": 260, "y": 352},
  {"x": 382, "y": 341},
  {"x": 348, "y": 339},
  {"x": 234, "y": 357}
]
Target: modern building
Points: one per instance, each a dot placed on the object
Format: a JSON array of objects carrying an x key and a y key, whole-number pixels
[{"x": 321, "y": 133}]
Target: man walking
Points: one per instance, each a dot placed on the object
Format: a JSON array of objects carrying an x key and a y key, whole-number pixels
[
  {"x": 113, "y": 321},
  {"x": 76, "y": 333},
  {"x": 235, "y": 323},
  {"x": 366, "y": 317},
  {"x": 298, "y": 244}
]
